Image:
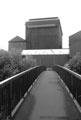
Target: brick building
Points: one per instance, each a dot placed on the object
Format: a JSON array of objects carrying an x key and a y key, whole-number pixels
[
  {"x": 49, "y": 57},
  {"x": 75, "y": 43},
  {"x": 18, "y": 43},
  {"x": 44, "y": 33}
]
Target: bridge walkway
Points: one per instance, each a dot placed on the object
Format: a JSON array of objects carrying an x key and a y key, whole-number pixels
[{"x": 48, "y": 100}]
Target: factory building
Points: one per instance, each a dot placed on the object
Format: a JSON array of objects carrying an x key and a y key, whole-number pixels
[
  {"x": 44, "y": 33},
  {"x": 75, "y": 43}
]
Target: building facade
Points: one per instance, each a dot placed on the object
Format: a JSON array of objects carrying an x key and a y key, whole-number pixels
[
  {"x": 51, "y": 60},
  {"x": 18, "y": 43},
  {"x": 49, "y": 57},
  {"x": 44, "y": 33},
  {"x": 75, "y": 43}
]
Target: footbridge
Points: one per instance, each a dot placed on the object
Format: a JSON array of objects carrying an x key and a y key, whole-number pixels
[{"x": 41, "y": 93}]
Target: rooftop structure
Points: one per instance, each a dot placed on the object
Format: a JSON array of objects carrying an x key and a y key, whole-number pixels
[
  {"x": 44, "y": 33},
  {"x": 18, "y": 43},
  {"x": 75, "y": 43}
]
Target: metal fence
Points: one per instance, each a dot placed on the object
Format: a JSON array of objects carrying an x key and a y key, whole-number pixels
[
  {"x": 72, "y": 80},
  {"x": 14, "y": 88}
]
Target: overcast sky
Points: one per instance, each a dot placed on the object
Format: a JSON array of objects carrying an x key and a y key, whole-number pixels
[{"x": 14, "y": 14}]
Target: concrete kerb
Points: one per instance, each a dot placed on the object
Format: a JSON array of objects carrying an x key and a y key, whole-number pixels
[{"x": 74, "y": 100}]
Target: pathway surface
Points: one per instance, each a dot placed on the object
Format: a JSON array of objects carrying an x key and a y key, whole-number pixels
[{"x": 48, "y": 100}]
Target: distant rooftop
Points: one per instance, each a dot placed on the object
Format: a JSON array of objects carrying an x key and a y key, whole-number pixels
[
  {"x": 16, "y": 39},
  {"x": 75, "y": 37},
  {"x": 42, "y": 19},
  {"x": 43, "y": 22}
]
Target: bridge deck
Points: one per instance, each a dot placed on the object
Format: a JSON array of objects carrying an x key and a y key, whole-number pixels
[{"x": 48, "y": 100}]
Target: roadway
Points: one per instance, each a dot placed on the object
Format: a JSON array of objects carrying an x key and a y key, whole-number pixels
[{"x": 48, "y": 100}]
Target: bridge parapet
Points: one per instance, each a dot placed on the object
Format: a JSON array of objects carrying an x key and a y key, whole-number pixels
[
  {"x": 72, "y": 80},
  {"x": 14, "y": 88}
]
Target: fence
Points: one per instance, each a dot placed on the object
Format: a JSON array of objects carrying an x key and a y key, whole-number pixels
[
  {"x": 14, "y": 88},
  {"x": 72, "y": 80}
]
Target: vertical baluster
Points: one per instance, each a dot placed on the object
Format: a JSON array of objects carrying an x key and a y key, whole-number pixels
[
  {"x": 9, "y": 99},
  {"x": 72, "y": 85},
  {"x": 0, "y": 103}
]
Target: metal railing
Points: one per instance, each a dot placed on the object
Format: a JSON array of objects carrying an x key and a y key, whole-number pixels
[
  {"x": 14, "y": 88},
  {"x": 72, "y": 80}
]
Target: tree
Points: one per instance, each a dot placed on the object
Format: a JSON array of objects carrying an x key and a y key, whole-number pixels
[
  {"x": 75, "y": 63},
  {"x": 5, "y": 64},
  {"x": 27, "y": 62},
  {"x": 13, "y": 62}
]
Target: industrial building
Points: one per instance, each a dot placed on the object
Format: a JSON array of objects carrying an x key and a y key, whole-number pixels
[
  {"x": 18, "y": 43},
  {"x": 44, "y": 33},
  {"x": 75, "y": 43},
  {"x": 45, "y": 36}
]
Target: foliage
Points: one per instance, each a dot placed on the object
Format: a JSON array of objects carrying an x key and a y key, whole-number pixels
[
  {"x": 5, "y": 64},
  {"x": 27, "y": 62},
  {"x": 75, "y": 63},
  {"x": 13, "y": 62}
]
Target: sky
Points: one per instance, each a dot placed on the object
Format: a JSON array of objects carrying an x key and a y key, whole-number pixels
[{"x": 14, "y": 14}]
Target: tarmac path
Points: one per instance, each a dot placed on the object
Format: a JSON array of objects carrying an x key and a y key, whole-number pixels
[{"x": 48, "y": 100}]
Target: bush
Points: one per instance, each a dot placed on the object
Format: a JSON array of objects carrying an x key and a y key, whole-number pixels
[
  {"x": 75, "y": 63},
  {"x": 27, "y": 62},
  {"x": 13, "y": 62},
  {"x": 5, "y": 64}
]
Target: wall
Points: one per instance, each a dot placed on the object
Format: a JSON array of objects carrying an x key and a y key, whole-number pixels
[
  {"x": 51, "y": 60},
  {"x": 23, "y": 45},
  {"x": 61, "y": 59},
  {"x": 17, "y": 44},
  {"x": 44, "y": 38},
  {"x": 74, "y": 48},
  {"x": 47, "y": 60},
  {"x": 75, "y": 43}
]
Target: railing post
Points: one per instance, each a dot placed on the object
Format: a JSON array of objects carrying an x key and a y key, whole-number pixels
[
  {"x": 64, "y": 76},
  {"x": 72, "y": 85},
  {"x": 9, "y": 100},
  {"x": 0, "y": 103},
  {"x": 76, "y": 95}
]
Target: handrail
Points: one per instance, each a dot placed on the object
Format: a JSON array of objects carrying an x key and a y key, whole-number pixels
[
  {"x": 6, "y": 81},
  {"x": 71, "y": 79},
  {"x": 14, "y": 88},
  {"x": 70, "y": 71}
]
